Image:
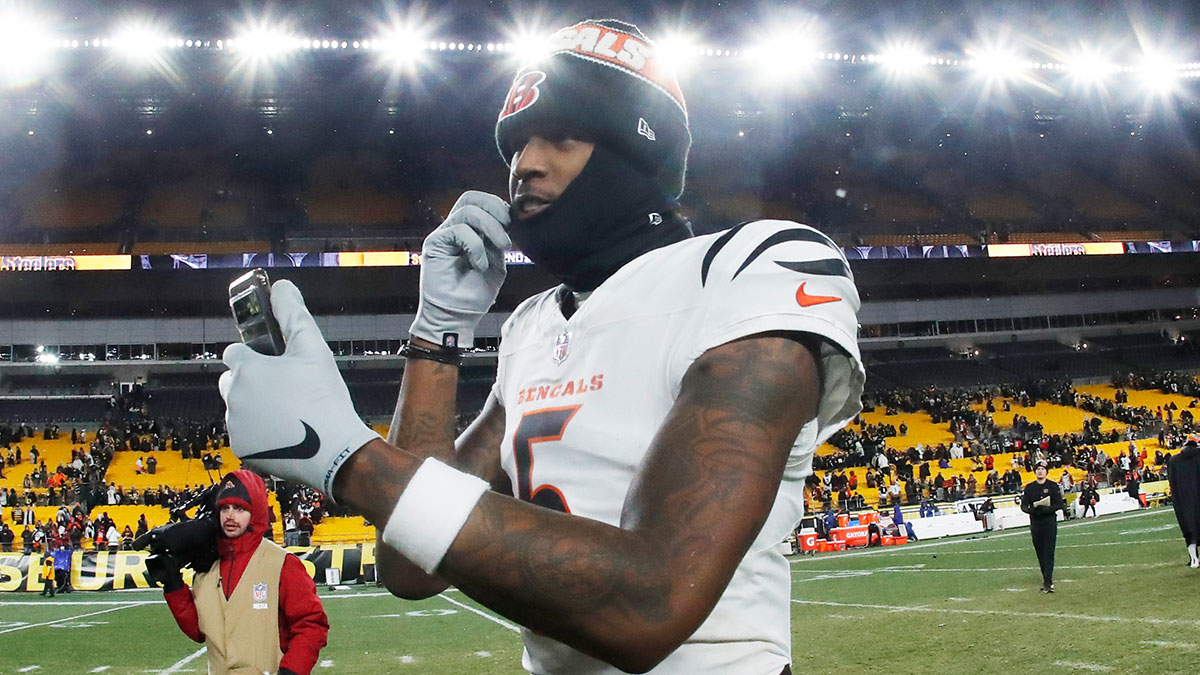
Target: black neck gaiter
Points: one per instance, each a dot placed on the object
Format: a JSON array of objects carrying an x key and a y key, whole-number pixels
[{"x": 610, "y": 214}]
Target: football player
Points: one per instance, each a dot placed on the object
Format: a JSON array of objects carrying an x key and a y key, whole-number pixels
[{"x": 624, "y": 490}]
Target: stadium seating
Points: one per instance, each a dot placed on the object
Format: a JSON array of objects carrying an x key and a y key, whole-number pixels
[
  {"x": 173, "y": 470},
  {"x": 347, "y": 530}
]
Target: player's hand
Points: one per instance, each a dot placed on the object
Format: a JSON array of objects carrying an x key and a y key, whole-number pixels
[
  {"x": 462, "y": 269},
  {"x": 291, "y": 415}
]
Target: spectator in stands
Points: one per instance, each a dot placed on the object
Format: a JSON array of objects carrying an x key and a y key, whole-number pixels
[
  {"x": 142, "y": 527},
  {"x": 290, "y": 533},
  {"x": 151, "y": 464},
  {"x": 305, "y": 526},
  {"x": 27, "y": 540},
  {"x": 127, "y": 538},
  {"x": 7, "y": 537},
  {"x": 113, "y": 539},
  {"x": 1042, "y": 500},
  {"x": 893, "y": 492},
  {"x": 1066, "y": 483},
  {"x": 139, "y": 467},
  {"x": 250, "y": 574},
  {"x": 1183, "y": 473}
]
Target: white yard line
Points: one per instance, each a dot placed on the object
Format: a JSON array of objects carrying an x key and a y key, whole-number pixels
[
  {"x": 923, "y": 570},
  {"x": 1164, "y": 643},
  {"x": 339, "y": 596},
  {"x": 958, "y": 539},
  {"x": 178, "y": 665},
  {"x": 1079, "y": 665},
  {"x": 69, "y": 618},
  {"x": 81, "y": 603},
  {"x": 1103, "y": 543},
  {"x": 993, "y": 612},
  {"x": 489, "y": 617}
]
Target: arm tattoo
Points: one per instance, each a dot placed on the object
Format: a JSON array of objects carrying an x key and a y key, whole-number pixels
[{"x": 702, "y": 495}]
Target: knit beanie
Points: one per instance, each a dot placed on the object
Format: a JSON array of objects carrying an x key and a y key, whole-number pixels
[
  {"x": 605, "y": 79},
  {"x": 233, "y": 491}
]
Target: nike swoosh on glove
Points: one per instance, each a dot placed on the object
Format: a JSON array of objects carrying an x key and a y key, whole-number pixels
[
  {"x": 291, "y": 415},
  {"x": 462, "y": 269}
]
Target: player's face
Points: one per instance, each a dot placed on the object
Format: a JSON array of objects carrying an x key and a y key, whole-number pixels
[
  {"x": 234, "y": 520},
  {"x": 542, "y": 169}
]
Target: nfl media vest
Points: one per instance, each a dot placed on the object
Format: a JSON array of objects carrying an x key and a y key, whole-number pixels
[{"x": 242, "y": 633}]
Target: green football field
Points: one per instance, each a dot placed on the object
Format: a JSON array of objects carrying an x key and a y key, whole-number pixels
[{"x": 1126, "y": 602}]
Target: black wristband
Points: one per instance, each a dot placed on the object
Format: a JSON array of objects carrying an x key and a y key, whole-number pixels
[{"x": 449, "y": 356}]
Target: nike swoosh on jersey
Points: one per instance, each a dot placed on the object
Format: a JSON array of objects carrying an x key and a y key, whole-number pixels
[
  {"x": 305, "y": 449},
  {"x": 807, "y": 300}
]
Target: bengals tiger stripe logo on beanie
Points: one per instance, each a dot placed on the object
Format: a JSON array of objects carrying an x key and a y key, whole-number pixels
[
  {"x": 605, "y": 80},
  {"x": 233, "y": 491}
]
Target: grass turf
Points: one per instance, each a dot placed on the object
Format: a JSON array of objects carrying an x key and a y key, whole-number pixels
[{"x": 1125, "y": 602}]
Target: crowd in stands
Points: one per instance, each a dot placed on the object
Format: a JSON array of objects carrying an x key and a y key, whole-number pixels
[
  {"x": 982, "y": 458},
  {"x": 863, "y": 462},
  {"x": 70, "y": 529}
]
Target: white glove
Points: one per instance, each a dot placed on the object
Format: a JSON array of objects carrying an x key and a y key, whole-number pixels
[
  {"x": 462, "y": 269},
  {"x": 291, "y": 415}
]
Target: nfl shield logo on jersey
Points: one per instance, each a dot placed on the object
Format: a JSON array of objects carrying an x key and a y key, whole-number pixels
[
  {"x": 260, "y": 592},
  {"x": 561, "y": 346}
]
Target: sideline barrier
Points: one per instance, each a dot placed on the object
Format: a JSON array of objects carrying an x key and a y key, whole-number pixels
[
  {"x": 947, "y": 525},
  {"x": 1112, "y": 500},
  {"x": 104, "y": 571}
]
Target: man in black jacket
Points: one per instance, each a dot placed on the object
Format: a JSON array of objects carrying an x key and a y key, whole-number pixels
[
  {"x": 1183, "y": 473},
  {"x": 1042, "y": 500}
]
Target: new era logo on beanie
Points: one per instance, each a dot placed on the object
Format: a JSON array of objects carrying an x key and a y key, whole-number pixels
[{"x": 605, "y": 80}]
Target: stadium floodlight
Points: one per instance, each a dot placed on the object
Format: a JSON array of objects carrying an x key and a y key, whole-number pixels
[
  {"x": 25, "y": 47},
  {"x": 997, "y": 64},
  {"x": 140, "y": 43},
  {"x": 904, "y": 58},
  {"x": 785, "y": 53},
  {"x": 402, "y": 46},
  {"x": 1089, "y": 67},
  {"x": 258, "y": 46},
  {"x": 259, "y": 42},
  {"x": 678, "y": 50},
  {"x": 1159, "y": 74},
  {"x": 529, "y": 47}
]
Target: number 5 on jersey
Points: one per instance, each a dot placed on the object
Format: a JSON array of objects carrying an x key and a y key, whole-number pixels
[{"x": 537, "y": 426}]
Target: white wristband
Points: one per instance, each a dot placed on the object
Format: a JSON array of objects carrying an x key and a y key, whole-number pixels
[{"x": 430, "y": 512}]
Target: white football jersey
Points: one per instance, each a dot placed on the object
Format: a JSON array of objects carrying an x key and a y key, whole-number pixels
[{"x": 585, "y": 396}]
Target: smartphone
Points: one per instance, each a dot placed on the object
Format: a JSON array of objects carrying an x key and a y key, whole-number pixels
[{"x": 250, "y": 300}]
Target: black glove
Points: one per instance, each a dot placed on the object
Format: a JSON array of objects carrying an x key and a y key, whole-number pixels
[
  {"x": 162, "y": 569},
  {"x": 285, "y": 671}
]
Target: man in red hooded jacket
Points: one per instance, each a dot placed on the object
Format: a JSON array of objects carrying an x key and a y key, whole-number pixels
[{"x": 252, "y": 578}]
